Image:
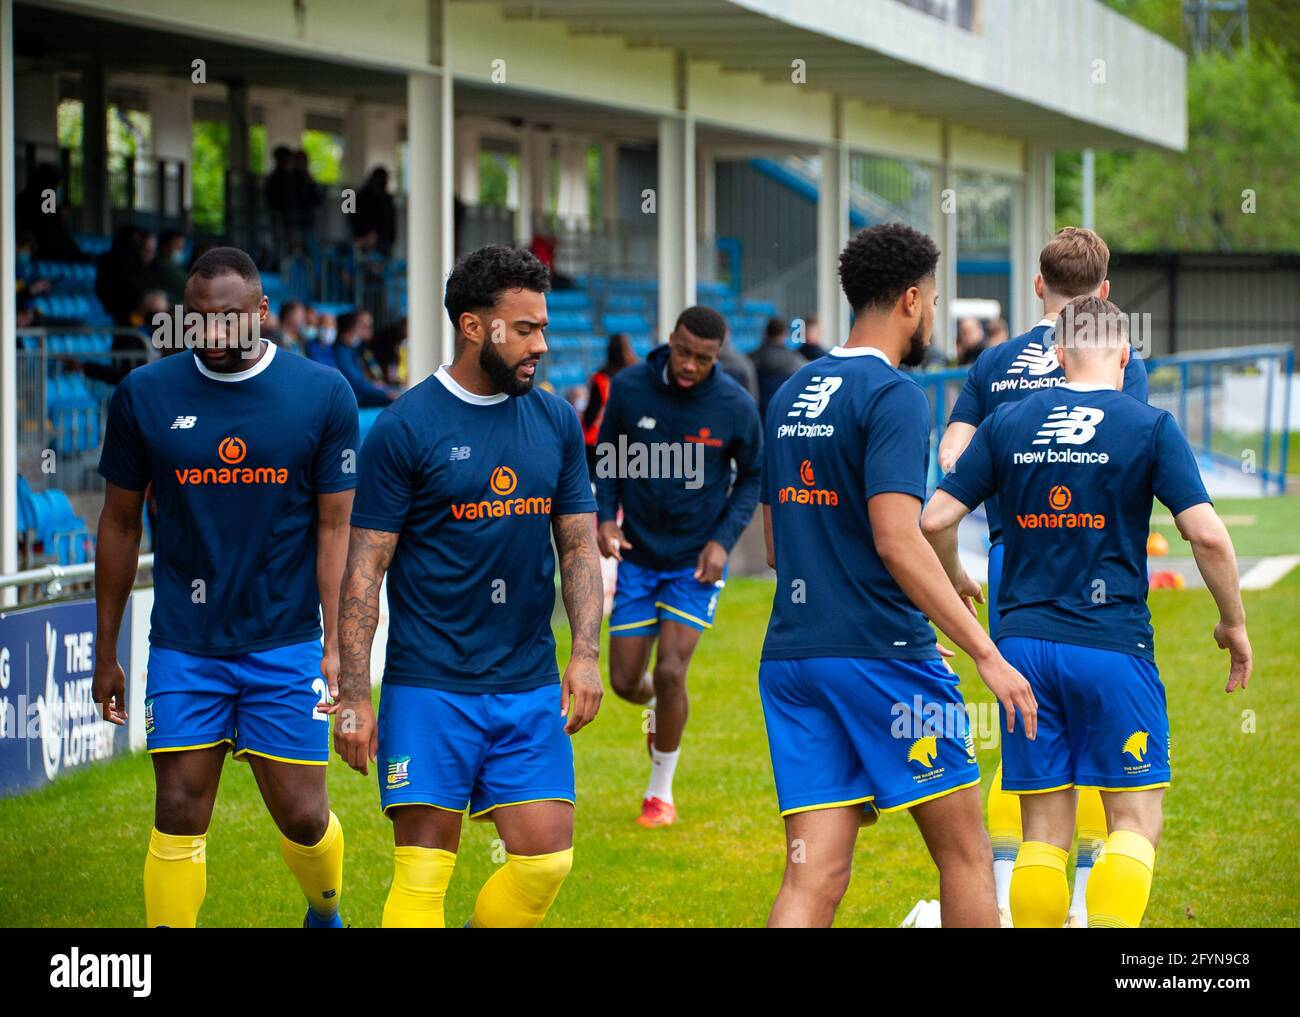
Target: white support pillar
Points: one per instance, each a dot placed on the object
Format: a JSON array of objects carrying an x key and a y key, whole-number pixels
[
  {"x": 574, "y": 199},
  {"x": 945, "y": 236},
  {"x": 609, "y": 183},
  {"x": 285, "y": 119},
  {"x": 675, "y": 208},
  {"x": 429, "y": 221},
  {"x": 8, "y": 312},
  {"x": 1088, "y": 180},
  {"x": 171, "y": 114},
  {"x": 1033, "y": 227},
  {"x": 525, "y": 189},
  {"x": 354, "y": 144},
  {"x": 832, "y": 235},
  {"x": 1022, "y": 267},
  {"x": 466, "y": 158}
]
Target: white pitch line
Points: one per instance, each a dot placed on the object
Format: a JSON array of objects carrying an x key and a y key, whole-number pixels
[{"x": 1268, "y": 571}]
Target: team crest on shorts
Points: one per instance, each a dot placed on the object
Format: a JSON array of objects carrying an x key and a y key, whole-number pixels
[
  {"x": 1135, "y": 745},
  {"x": 923, "y": 751},
  {"x": 148, "y": 716},
  {"x": 398, "y": 772}
]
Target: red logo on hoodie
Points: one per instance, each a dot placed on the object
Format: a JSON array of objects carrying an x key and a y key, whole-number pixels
[{"x": 705, "y": 437}]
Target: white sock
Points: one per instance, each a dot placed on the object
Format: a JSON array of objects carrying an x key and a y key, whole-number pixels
[
  {"x": 662, "y": 767},
  {"x": 1002, "y": 868},
  {"x": 1079, "y": 905}
]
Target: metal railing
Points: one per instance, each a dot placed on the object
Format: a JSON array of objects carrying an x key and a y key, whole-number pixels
[
  {"x": 63, "y": 393},
  {"x": 46, "y": 584}
]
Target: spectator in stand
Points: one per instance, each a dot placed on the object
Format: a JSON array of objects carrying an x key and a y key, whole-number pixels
[
  {"x": 167, "y": 270},
  {"x": 130, "y": 350},
  {"x": 737, "y": 366},
  {"x": 25, "y": 263},
  {"x": 543, "y": 249},
  {"x": 40, "y": 211},
  {"x": 618, "y": 355},
  {"x": 811, "y": 348},
  {"x": 293, "y": 320},
  {"x": 376, "y": 214},
  {"x": 352, "y": 357},
  {"x": 774, "y": 362},
  {"x": 386, "y": 348},
  {"x": 282, "y": 201},
  {"x": 998, "y": 333},
  {"x": 307, "y": 199},
  {"x": 320, "y": 347},
  {"x": 970, "y": 340},
  {"x": 120, "y": 279}
]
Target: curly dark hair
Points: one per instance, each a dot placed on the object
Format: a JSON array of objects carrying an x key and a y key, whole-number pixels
[
  {"x": 879, "y": 265},
  {"x": 702, "y": 321},
  {"x": 481, "y": 276}
]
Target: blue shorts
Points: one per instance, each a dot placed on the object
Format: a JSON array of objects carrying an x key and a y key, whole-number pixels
[
  {"x": 459, "y": 750},
  {"x": 995, "y": 584},
  {"x": 262, "y": 703},
  {"x": 644, "y": 597},
  {"x": 851, "y": 730},
  {"x": 1102, "y": 720}
]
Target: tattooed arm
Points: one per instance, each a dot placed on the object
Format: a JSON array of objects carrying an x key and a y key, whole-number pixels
[
  {"x": 584, "y": 600},
  {"x": 369, "y": 555},
  {"x": 332, "y": 510}
]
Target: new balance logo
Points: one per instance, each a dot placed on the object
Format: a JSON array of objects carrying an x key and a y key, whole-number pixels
[
  {"x": 1069, "y": 426},
  {"x": 812, "y": 401},
  {"x": 459, "y": 453},
  {"x": 1035, "y": 359},
  {"x": 184, "y": 423}
]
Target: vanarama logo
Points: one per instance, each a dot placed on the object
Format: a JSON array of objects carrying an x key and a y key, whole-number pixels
[
  {"x": 810, "y": 493},
  {"x": 232, "y": 451},
  {"x": 502, "y": 483},
  {"x": 1059, "y": 498}
]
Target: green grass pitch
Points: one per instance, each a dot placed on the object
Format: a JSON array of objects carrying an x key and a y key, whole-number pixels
[{"x": 72, "y": 855}]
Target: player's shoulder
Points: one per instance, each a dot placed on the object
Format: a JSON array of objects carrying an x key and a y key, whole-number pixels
[
  {"x": 1037, "y": 342},
  {"x": 161, "y": 372},
  {"x": 633, "y": 377},
  {"x": 307, "y": 376},
  {"x": 734, "y": 394},
  {"x": 550, "y": 403}
]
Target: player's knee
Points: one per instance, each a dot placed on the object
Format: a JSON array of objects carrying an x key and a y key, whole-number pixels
[
  {"x": 304, "y": 824},
  {"x": 540, "y": 876},
  {"x": 824, "y": 884},
  {"x": 670, "y": 674},
  {"x": 973, "y": 850},
  {"x": 624, "y": 683},
  {"x": 182, "y": 807}
]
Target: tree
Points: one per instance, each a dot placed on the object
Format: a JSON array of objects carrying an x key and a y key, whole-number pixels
[{"x": 1236, "y": 186}]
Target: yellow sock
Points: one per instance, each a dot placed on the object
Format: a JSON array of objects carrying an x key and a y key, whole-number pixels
[
  {"x": 1090, "y": 824},
  {"x": 318, "y": 868},
  {"x": 1005, "y": 833},
  {"x": 420, "y": 878},
  {"x": 518, "y": 895},
  {"x": 175, "y": 879},
  {"x": 1121, "y": 881},
  {"x": 1040, "y": 898}
]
